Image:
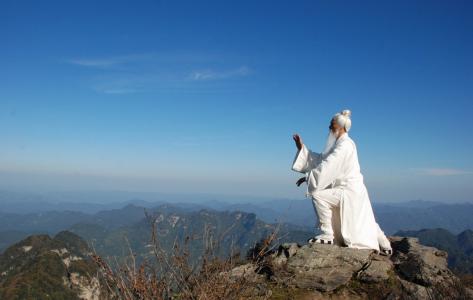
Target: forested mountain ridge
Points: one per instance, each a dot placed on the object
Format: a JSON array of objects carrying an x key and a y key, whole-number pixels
[{"x": 40, "y": 267}]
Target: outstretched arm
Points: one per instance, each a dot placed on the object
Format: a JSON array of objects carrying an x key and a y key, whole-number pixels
[{"x": 305, "y": 159}]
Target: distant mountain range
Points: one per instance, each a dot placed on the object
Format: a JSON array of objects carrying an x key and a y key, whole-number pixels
[
  {"x": 228, "y": 232},
  {"x": 392, "y": 217},
  {"x": 107, "y": 227}
]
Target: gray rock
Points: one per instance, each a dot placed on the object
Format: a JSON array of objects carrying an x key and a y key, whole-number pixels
[
  {"x": 425, "y": 267},
  {"x": 414, "y": 291},
  {"x": 248, "y": 271},
  {"x": 377, "y": 270},
  {"x": 291, "y": 248},
  {"x": 284, "y": 252},
  {"x": 325, "y": 267},
  {"x": 469, "y": 293},
  {"x": 420, "y": 264}
]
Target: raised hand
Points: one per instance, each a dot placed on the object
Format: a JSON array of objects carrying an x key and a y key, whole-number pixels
[{"x": 298, "y": 141}]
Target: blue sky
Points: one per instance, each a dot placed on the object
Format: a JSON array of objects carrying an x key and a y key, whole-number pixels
[{"x": 204, "y": 96}]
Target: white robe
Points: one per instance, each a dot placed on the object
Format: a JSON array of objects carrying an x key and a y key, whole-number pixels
[{"x": 340, "y": 168}]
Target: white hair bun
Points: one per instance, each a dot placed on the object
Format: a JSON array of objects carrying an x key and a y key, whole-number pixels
[{"x": 346, "y": 113}]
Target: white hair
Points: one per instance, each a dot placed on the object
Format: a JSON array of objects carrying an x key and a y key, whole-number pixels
[{"x": 343, "y": 119}]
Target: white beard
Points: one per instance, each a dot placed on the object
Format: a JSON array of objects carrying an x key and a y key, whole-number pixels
[{"x": 331, "y": 139}]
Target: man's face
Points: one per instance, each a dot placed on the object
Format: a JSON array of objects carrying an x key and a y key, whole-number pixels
[{"x": 334, "y": 127}]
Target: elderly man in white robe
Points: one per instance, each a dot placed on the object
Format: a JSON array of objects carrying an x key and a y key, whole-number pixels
[{"x": 335, "y": 185}]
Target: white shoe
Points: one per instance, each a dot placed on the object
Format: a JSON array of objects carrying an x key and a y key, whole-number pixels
[{"x": 316, "y": 240}]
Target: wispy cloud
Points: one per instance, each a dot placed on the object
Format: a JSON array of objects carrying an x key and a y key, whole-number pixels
[
  {"x": 441, "y": 171},
  {"x": 111, "y": 61},
  {"x": 177, "y": 71},
  {"x": 93, "y": 62},
  {"x": 177, "y": 57},
  {"x": 213, "y": 75}
]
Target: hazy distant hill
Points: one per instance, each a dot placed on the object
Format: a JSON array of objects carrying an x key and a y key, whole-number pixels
[
  {"x": 392, "y": 217},
  {"x": 54, "y": 221},
  {"x": 72, "y": 207},
  {"x": 459, "y": 247},
  {"x": 80, "y": 201},
  {"x": 453, "y": 217},
  {"x": 14, "y": 227},
  {"x": 10, "y": 237},
  {"x": 47, "y": 222}
]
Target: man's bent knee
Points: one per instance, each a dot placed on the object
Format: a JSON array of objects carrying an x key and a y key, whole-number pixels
[
  {"x": 325, "y": 197},
  {"x": 317, "y": 195},
  {"x": 320, "y": 195}
]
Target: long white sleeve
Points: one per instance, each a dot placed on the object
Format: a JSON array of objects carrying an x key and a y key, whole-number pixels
[
  {"x": 305, "y": 160},
  {"x": 330, "y": 168}
]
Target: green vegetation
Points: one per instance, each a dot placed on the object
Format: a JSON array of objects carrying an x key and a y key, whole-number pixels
[{"x": 35, "y": 268}]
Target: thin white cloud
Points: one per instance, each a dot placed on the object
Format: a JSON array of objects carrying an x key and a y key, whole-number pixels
[
  {"x": 146, "y": 58},
  {"x": 94, "y": 62},
  {"x": 107, "y": 61},
  {"x": 442, "y": 171},
  {"x": 178, "y": 70},
  {"x": 214, "y": 75}
]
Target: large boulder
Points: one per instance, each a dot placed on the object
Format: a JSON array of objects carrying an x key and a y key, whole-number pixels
[
  {"x": 424, "y": 270},
  {"x": 414, "y": 271},
  {"x": 320, "y": 267}
]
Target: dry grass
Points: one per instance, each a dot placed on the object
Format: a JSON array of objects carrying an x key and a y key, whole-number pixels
[{"x": 172, "y": 276}]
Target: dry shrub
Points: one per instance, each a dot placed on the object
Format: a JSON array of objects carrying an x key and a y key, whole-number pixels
[{"x": 173, "y": 276}]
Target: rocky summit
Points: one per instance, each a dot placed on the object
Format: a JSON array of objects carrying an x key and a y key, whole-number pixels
[{"x": 414, "y": 271}]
